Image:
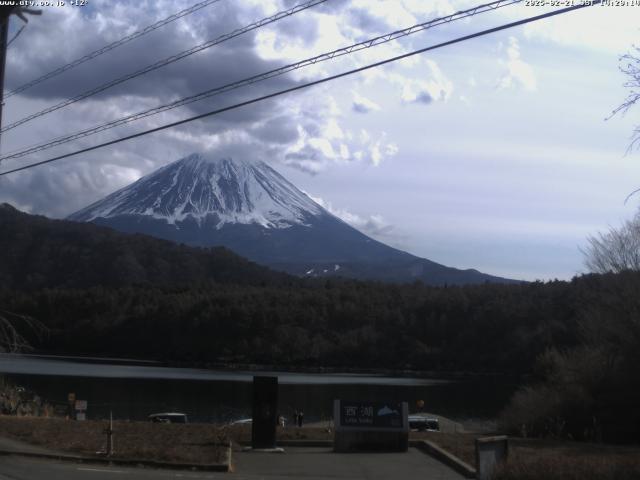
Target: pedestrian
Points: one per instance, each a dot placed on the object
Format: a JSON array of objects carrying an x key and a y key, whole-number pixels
[
  {"x": 300, "y": 418},
  {"x": 295, "y": 417}
]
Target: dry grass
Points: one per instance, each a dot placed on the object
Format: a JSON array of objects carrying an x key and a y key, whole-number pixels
[
  {"x": 555, "y": 459},
  {"x": 557, "y": 467},
  {"x": 537, "y": 459},
  {"x": 202, "y": 444},
  {"x": 192, "y": 443}
]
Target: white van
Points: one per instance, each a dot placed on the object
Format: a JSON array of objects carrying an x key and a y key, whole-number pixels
[{"x": 168, "y": 417}]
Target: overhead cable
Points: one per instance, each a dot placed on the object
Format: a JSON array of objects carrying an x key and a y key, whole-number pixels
[
  {"x": 261, "y": 77},
  {"x": 161, "y": 63},
  {"x": 310, "y": 84},
  {"x": 109, "y": 47}
]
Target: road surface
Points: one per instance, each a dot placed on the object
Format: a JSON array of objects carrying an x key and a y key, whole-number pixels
[
  {"x": 322, "y": 464},
  {"x": 25, "y": 468},
  {"x": 299, "y": 463}
]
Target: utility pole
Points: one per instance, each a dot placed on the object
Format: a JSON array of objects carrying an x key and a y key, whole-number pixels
[
  {"x": 5, "y": 12},
  {"x": 109, "y": 432}
]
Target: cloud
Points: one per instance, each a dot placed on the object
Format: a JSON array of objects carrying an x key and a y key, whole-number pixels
[
  {"x": 519, "y": 73},
  {"x": 217, "y": 65},
  {"x": 421, "y": 97},
  {"x": 363, "y": 105},
  {"x": 323, "y": 139},
  {"x": 307, "y": 131},
  {"x": 374, "y": 226},
  {"x": 384, "y": 15},
  {"x": 60, "y": 190},
  {"x": 430, "y": 85},
  {"x": 586, "y": 29}
]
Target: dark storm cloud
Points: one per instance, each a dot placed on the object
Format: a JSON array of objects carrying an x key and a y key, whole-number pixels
[
  {"x": 288, "y": 130},
  {"x": 219, "y": 65}
]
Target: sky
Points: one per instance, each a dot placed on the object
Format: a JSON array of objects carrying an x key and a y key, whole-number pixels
[{"x": 495, "y": 153}]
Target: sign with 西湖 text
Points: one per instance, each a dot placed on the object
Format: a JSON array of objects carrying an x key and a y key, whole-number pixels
[
  {"x": 370, "y": 426},
  {"x": 371, "y": 414}
]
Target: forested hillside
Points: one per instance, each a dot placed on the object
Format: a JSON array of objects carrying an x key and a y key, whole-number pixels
[
  {"x": 104, "y": 293},
  {"x": 332, "y": 323},
  {"x": 36, "y": 252}
]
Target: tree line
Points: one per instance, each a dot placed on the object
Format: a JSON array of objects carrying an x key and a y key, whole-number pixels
[
  {"x": 334, "y": 322},
  {"x": 98, "y": 292}
]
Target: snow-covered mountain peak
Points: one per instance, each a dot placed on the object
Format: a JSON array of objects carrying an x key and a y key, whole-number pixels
[{"x": 227, "y": 190}]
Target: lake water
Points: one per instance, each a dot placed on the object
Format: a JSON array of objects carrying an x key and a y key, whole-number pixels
[{"x": 133, "y": 390}]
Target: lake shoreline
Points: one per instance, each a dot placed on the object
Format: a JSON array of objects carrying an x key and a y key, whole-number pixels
[
  {"x": 234, "y": 367},
  {"x": 133, "y": 391}
]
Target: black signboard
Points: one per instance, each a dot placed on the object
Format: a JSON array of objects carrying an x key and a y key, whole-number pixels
[
  {"x": 371, "y": 414},
  {"x": 265, "y": 412}
]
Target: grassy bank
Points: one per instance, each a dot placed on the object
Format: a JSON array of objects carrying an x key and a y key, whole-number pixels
[
  {"x": 193, "y": 443},
  {"x": 561, "y": 460},
  {"x": 537, "y": 459},
  {"x": 204, "y": 444},
  {"x": 196, "y": 443},
  {"x": 571, "y": 468}
]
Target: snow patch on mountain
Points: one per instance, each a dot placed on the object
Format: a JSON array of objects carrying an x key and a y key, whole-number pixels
[{"x": 225, "y": 190}]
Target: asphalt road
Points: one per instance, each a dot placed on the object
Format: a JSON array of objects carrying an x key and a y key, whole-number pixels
[
  {"x": 296, "y": 463},
  {"x": 322, "y": 464},
  {"x": 24, "y": 468}
]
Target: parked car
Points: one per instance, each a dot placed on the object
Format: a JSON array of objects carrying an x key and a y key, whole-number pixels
[
  {"x": 420, "y": 423},
  {"x": 169, "y": 417},
  {"x": 243, "y": 421}
]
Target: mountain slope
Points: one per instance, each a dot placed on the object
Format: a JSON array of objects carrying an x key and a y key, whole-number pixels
[
  {"x": 251, "y": 209},
  {"x": 222, "y": 192}
]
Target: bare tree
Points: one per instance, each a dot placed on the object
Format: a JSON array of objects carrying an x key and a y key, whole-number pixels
[
  {"x": 616, "y": 250},
  {"x": 12, "y": 327},
  {"x": 619, "y": 248},
  {"x": 630, "y": 67}
]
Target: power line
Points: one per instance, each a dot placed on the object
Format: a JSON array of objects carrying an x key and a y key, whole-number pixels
[
  {"x": 16, "y": 35},
  {"x": 263, "y": 76},
  {"x": 111, "y": 46},
  {"x": 310, "y": 84},
  {"x": 174, "y": 58}
]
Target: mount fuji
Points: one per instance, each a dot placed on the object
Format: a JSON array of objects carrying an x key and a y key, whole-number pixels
[{"x": 251, "y": 209}]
